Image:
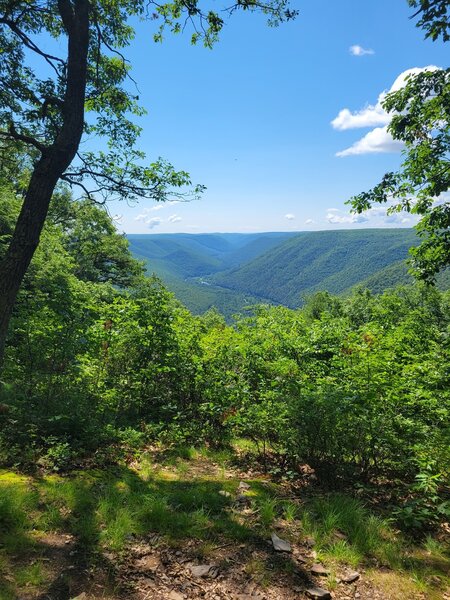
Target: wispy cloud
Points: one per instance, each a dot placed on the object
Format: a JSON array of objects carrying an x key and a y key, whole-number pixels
[
  {"x": 376, "y": 216},
  {"x": 338, "y": 219},
  {"x": 153, "y": 222},
  {"x": 309, "y": 222},
  {"x": 357, "y": 50},
  {"x": 373, "y": 115},
  {"x": 174, "y": 219}
]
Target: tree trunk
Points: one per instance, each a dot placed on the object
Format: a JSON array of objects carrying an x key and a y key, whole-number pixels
[{"x": 54, "y": 161}]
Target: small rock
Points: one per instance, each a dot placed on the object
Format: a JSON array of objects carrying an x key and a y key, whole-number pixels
[
  {"x": 225, "y": 494},
  {"x": 301, "y": 559},
  {"x": 319, "y": 569},
  {"x": 279, "y": 544},
  {"x": 82, "y": 596},
  {"x": 175, "y": 595},
  {"x": 350, "y": 577},
  {"x": 243, "y": 486},
  {"x": 319, "y": 593},
  {"x": 310, "y": 542},
  {"x": 243, "y": 500},
  {"x": 205, "y": 571}
]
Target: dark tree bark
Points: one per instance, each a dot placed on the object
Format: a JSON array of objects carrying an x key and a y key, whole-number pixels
[{"x": 53, "y": 162}]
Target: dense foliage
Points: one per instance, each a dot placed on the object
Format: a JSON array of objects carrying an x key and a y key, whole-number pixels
[{"x": 101, "y": 358}]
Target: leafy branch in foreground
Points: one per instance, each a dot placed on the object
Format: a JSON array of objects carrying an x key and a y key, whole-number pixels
[
  {"x": 434, "y": 17},
  {"x": 421, "y": 120}
]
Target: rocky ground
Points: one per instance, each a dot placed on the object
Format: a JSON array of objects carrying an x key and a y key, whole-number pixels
[{"x": 280, "y": 564}]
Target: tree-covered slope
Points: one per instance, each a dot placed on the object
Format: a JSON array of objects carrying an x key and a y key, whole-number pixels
[
  {"x": 231, "y": 271},
  {"x": 183, "y": 260},
  {"x": 323, "y": 260},
  {"x": 194, "y": 255}
]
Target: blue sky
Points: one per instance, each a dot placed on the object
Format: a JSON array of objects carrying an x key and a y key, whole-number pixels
[{"x": 252, "y": 119}]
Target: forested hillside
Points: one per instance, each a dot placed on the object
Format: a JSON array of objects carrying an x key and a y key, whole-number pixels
[
  {"x": 334, "y": 261},
  {"x": 184, "y": 262},
  {"x": 232, "y": 271}
]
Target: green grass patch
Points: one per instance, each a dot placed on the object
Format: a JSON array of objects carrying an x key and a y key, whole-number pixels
[
  {"x": 30, "y": 575},
  {"x": 103, "y": 510}
]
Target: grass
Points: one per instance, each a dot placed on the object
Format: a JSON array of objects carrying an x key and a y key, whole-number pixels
[
  {"x": 343, "y": 527},
  {"x": 102, "y": 510},
  {"x": 30, "y": 575},
  {"x": 268, "y": 508}
]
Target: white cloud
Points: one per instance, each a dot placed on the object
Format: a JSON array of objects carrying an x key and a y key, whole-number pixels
[
  {"x": 376, "y": 141},
  {"x": 289, "y": 217},
  {"x": 333, "y": 217},
  {"x": 153, "y": 222},
  {"x": 357, "y": 50},
  {"x": 376, "y": 216},
  {"x": 157, "y": 207},
  {"x": 309, "y": 222},
  {"x": 174, "y": 219},
  {"x": 373, "y": 115},
  {"x": 370, "y": 116}
]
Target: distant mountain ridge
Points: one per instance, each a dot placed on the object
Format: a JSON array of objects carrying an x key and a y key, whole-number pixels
[{"x": 232, "y": 270}]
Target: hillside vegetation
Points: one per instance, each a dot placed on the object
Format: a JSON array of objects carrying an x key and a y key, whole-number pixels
[
  {"x": 234, "y": 271},
  {"x": 185, "y": 261},
  {"x": 334, "y": 261}
]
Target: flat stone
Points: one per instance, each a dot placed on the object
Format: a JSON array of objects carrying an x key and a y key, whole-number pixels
[
  {"x": 301, "y": 559},
  {"x": 350, "y": 577},
  {"x": 243, "y": 486},
  {"x": 319, "y": 593},
  {"x": 279, "y": 544},
  {"x": 82, "y": 596},
  {"x": 205, "y": 571},
  {"x": 318, "y": 569},
  {"x": 175, "y": 595}
]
